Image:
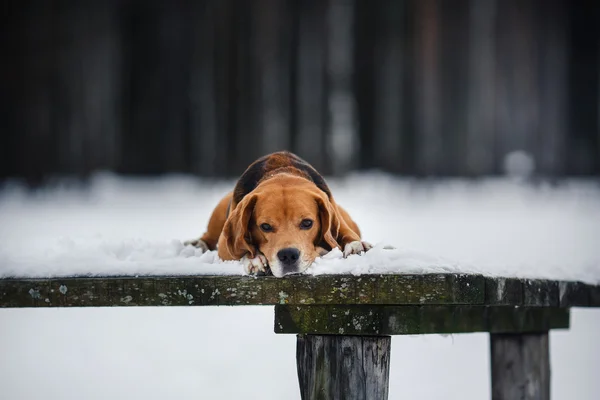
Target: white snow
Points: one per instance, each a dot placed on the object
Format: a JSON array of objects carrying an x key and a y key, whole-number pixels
[
  {"x": 135, "y": 227},
  {"x": 229, "y": 353}
]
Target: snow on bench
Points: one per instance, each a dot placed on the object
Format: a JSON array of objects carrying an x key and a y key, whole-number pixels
[{"x": 495, "y": 257}]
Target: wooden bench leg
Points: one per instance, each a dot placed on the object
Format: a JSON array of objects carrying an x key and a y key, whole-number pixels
[
  {"x": 520, "y": 366},
  {"x": 343, "y": 367}
]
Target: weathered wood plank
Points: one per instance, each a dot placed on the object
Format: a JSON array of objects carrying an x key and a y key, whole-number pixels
[
  {"x": 241, "y": 290},
  {"x": 594, "y": 296},
  {"x": 574, "y": 294},
  {"x": 432, "y": 289},
  {"x": 542, "y": 293},
  {"x": 427, "y": 289},
  {"x": 520, "y": 366},
  {"x": 503, "y": 291},
  {"x": 413, "y": 320},
  {"x": 343, "y": 367},
  {"x": 526, "y": 319}
]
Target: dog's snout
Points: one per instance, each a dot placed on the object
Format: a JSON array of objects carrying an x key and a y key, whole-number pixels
[{"x": 288, "y": 256}]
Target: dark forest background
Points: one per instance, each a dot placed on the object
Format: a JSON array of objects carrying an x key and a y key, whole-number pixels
[{"x": 413, "y": 87}]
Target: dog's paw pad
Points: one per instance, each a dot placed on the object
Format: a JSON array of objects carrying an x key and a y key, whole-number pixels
[
  {"x": 356, "y": 247},
  {"x": 254, "y": 265},
  {"x": 198, "y": 243}
]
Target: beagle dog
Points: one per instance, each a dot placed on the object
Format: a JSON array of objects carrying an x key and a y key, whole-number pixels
[{"x": 280, "y": 215}]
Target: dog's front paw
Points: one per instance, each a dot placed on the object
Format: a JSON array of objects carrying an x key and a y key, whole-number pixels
[
  {"x": 254, "y": 265},
  {"x": 356, "y": 247},
  {"x": 198, "y": 243}
]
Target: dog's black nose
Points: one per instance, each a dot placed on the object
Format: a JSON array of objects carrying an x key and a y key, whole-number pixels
[{"x": 288, "y": 256}]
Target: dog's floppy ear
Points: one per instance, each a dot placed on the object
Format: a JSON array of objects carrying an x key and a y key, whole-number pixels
[
  {"x": 237, "y": 230},
  {"x": 330, "y": 222}
]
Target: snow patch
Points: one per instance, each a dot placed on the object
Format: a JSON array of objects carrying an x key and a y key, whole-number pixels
[{"x": 135, "y": 227}]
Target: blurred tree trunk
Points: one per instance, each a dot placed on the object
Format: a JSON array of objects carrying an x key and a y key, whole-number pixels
[
  {"x": 454, "y": 86},
  {"x": 428, "y": 97},
  {"x": 342, "y": 144},
  {"x": 417, "y": 87},
  {"x": 207, "y": 146},
  {"x": 157, "y": 68},
  {"x": 481, "y": 88},
  {"x": 551, "y": 140},
  {"x": 311, "y": 92},
  {"x": 582, "y": 141},
  {"x": 86, "y": 100},
  {"x": 517, "y": 86}
]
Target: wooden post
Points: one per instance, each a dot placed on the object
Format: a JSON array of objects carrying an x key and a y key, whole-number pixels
[
  {"x": 343, "y": 367},
  {"x": 520, "y": 366}
]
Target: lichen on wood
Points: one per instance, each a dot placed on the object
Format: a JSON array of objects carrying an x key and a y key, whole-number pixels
[
  {"x": 415, "y": 319},
  {"x": 428, "y": 289}
]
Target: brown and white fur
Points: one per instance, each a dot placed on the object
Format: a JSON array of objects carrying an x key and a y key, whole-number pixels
[{"x": 281, "y": 214}]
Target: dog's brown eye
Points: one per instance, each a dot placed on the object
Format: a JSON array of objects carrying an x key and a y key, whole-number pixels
[
  {"x": 266, "y": 227},
  {"x": 306, "y": 224}
]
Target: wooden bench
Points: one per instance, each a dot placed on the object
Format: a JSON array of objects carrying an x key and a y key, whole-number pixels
[{"x": 343, "y": 323}]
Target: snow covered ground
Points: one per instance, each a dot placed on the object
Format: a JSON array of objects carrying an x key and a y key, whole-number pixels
[
  {"x": 126, "y": 226},
  {"x": 136, "y": 227}
]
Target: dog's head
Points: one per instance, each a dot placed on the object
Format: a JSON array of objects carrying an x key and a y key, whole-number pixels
[{"x": 286, "y": 218}]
